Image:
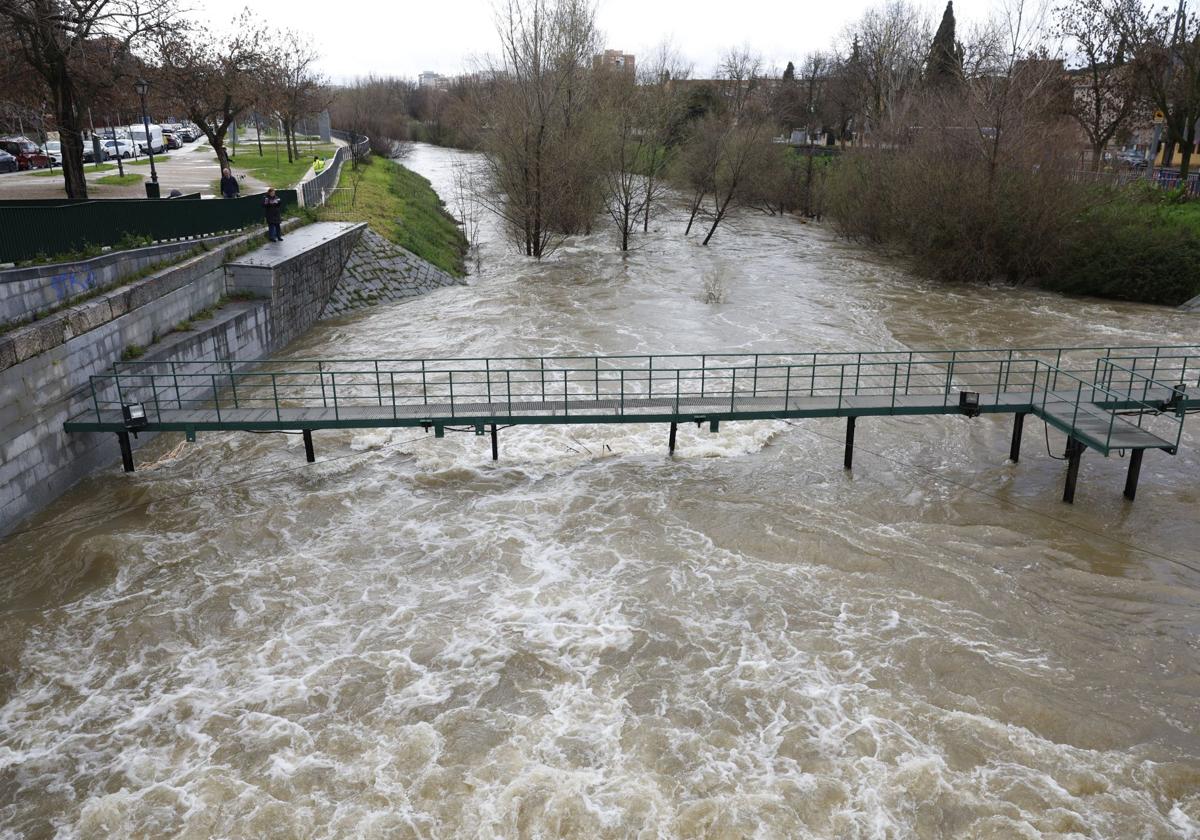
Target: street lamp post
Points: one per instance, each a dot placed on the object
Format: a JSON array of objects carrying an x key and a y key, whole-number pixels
[{"x": 152, "y": 191}]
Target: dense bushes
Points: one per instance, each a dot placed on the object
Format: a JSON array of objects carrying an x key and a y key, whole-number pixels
[
  {"x": 1132, "y": 248},
  {"x": 1032, "y": 224}
]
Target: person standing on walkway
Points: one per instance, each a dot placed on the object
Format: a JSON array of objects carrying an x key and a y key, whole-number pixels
[
  {"x": 273, "y": 211},
  {"x": 229, "y": 185}
]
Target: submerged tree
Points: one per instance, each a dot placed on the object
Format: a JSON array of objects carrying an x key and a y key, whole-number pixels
[{"x": 543, "y": 125}]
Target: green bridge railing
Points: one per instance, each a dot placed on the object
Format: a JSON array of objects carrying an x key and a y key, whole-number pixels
[{"x": 1070, "y": 387}]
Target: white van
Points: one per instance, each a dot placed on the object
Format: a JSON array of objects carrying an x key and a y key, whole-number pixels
[{"x": 137, "y": 134}]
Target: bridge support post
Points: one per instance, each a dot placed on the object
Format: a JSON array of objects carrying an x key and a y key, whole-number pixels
[
  {"x": 495, "y": 443},
  {"x": 126, "y": 451},
  {"x": 1014, "y": 451},
  {"x": 309, "y": 454},
  {"x": 1074, "y": 450},
  {"x": 671, "y": 440},
  {"x": 848, "y": 461},
  {"x": 1135, "y": 470}
]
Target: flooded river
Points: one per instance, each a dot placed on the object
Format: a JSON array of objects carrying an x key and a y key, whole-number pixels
[{"x": 593, "y": 639}]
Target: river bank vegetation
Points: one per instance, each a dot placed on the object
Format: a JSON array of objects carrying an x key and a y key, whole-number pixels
[
  {"x": 979, "y": 158},
  {"x": 402, "y": 207}
]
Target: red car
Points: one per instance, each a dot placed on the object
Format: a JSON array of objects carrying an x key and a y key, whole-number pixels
[{"x": 28, "y": 155}]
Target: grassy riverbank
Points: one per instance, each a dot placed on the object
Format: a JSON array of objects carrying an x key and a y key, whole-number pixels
[
  {"x": 1133, "y": 247},
  {"x": 402, "y": 207}
]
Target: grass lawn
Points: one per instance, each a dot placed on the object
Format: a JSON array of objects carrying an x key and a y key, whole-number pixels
[
  {"x": 121, "y": 180},
  {"x": 402, "y": 207},
  {"x": 1188, "y": 214},
  {"x": 87, "y": 167},
  {"x": 275, "y": 170}
]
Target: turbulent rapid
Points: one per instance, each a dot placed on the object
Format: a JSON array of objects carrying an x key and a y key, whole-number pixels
[{"x": 593, "y": 639}]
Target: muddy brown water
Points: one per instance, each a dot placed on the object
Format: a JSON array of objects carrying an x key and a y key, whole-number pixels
[{"x": 591, "y": 639}]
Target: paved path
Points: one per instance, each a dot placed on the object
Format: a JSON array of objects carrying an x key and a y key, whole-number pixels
[{"x": 190, "y": 169}]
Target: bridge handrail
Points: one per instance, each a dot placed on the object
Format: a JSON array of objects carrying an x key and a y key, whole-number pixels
[
  {"x": 1147, "y": 383},
  {"x": 1160, "y": 366},
  {"x": 823, "y": 379},
  {"x": 1009, "y": 352},
  {"x": 470, "y": 381},
  {"x": 1093, "y": 387}
]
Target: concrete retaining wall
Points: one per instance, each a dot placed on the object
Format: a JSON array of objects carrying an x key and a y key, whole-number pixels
[
  {"x": 32, "y": 291},
  {"x": 44, "y": 368},
  {"x": 38, "y": 460},
  {"x": 298, "y": 278}
]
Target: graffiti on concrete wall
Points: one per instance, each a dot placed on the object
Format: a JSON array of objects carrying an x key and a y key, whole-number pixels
[{"x": 72, "y": 283}]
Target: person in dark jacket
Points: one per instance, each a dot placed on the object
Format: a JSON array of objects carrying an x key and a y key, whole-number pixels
[
  {"x": 273, "y": 210},
  {"x": 229, "y": 185}
]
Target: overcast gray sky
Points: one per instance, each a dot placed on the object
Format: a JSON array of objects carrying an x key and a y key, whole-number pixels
[{"x": 404, "y": 38}]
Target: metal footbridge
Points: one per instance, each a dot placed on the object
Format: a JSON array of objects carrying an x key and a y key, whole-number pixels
[{"x": 1125, "y": 399}]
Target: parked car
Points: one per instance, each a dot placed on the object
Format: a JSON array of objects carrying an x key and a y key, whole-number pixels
[
  {"x": 8, "y": 163},
  {"x": 89, "y": 153},
  {"x": 28, "y": 155},
  {"x": 53, "y": 149},
  {"x": 186, "y": 135},
  {"x": 137, "y": 134},
  {"x": 1132, "y": 158},
  {"x": 118, "y": 148},
  {"x": 171, "y": 140}
]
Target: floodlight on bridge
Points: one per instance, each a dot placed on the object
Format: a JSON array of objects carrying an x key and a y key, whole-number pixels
[
  {"x": 968, "y": 403},
  {"x": 134, "y": 415}
]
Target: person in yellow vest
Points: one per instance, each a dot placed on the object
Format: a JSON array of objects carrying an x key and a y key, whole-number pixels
[{"x": 318, "y": 163}]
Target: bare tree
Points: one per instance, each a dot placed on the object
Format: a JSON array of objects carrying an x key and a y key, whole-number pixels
[
  {"x": 289, "y": 61},
  {"x": 213, "y": 77},
  {"x": 467, "y": 189},
  {"x": 68, "y": 43},
  {"x": 661, "y": 101},
  {"x": 540, "y": 147},
  {"x": 1167, "y": 64},
  {"x": 627, "y": 147},
  {"x": 1105, "y": 94},
  {"x": 727, "y": 144},
  {"x": 375, "y": 107},
  {"x": 891, "y": 43}
]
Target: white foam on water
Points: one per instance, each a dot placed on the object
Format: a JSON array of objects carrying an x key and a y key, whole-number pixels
[{"x": 590, "y": 638}]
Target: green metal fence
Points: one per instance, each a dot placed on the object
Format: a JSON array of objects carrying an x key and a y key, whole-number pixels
[{"x": 30, "y": 231}]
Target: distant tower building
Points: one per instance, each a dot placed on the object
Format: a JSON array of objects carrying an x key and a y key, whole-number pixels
[
  {"x": 431, "y": 79},
  {"x": 617, "y": 60}
]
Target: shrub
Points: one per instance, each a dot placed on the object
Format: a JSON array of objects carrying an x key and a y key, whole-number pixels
[{"x": 1131, "y": 249}]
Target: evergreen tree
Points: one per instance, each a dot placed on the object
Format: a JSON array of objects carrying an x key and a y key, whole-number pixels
[
  {"x": 944, "y": 65},
  {"x": 789, "y": 72}
]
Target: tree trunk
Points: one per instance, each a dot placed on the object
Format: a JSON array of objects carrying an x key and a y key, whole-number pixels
[
  {"x": 217, "y": 140},
  {"x": 649, "y": 201},
  {"x": 722, "y": 208},
  {"x": 694, "y": 212},
  {"x": 1168, "y": 148},
  {"x": 1097, "y": 156},
  {"x": 1185, "y": 159},
  {"x": 71, "y": 137}
]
